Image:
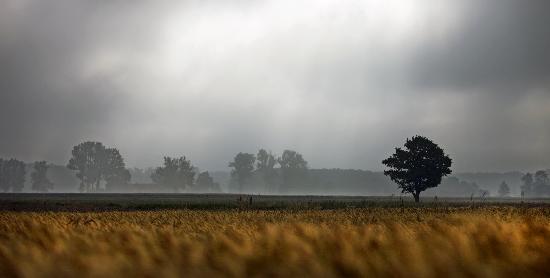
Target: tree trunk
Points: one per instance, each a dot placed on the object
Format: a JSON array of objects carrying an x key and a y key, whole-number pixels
[{"x": 416, "y": 196}]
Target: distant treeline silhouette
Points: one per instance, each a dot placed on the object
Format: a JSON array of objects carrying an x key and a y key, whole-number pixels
[{"x": 94, "y": 167}]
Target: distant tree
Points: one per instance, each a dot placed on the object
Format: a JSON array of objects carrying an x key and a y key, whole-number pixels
[
  {"x": 421, "y": 165},
  {"x": 265, "y": 165},
  {"x": 115, "y": 172},
  {"x": 94, "y": 163},
  {"x": 40, "y": 181},
  {"x": 503, "y": 190},
  {"x": 12, "y": 175},
  {"x": 176, "y": 173},
  {"x": 527, "y": 186},
  {"x": 293, "y": 169},
  {"x": 205, "y": 183},
  {"x": 541, "y": 184},
  {"x": 243, "y": 166}
]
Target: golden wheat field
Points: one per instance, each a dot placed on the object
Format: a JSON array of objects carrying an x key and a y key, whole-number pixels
[{"x": 375, "y": 242}]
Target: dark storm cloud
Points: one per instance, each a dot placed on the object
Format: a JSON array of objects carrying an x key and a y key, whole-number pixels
[{"x": 342, "y": 82}]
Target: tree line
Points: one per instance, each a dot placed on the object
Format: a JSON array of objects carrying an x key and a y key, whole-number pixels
[
  {"x": 267, "y": 172},
  {"x": 13, "y": 172},
  {"x": 419, "y": 166},
  {"x": 536, "y": 184}
]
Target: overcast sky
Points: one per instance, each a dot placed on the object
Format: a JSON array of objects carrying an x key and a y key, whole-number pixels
[{"x": 342, "y": 82}]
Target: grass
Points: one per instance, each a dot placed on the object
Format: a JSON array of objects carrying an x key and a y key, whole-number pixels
[{"x": 487, "y": 241}]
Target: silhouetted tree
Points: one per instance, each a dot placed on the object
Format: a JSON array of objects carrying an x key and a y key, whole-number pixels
[
  {"x": 205, "y": 183},
  {"x": 503, "y": 190},
  {"x": 95, "y": 163},
  {"x": 293, "y": 169},
  {"x": 265, "y": 165},
  {"x": 421, "y": 165},
  {"x": 177, "y": 173},
  {"x": 243, "y": 166},
  {"x": 12, "y": 175},
  {"x": 40, "y": 181},
  {"x": 527, "y": 186}
]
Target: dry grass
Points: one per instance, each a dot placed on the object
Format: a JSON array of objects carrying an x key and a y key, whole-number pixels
[{"x": 484, "y": 242}]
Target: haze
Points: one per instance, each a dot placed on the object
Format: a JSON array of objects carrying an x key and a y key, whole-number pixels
[{"x": 342, "y": 82}]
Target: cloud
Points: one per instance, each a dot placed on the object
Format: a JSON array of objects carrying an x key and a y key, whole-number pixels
[{"x": 342, "y": 82}]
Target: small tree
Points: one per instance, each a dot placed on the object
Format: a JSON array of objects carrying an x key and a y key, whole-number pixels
[
  {"x": 205, "y": 183},
  {"x": 421, "y": 165},
  {"x": 177, "y": 173},
  {"x": 40, "y": 181},
  {"x": 503, "y": 190},
  {"x": 243, "y": 166}
]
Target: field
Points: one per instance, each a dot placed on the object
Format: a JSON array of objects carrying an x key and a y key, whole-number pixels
[{"x": 126, "y": 235}]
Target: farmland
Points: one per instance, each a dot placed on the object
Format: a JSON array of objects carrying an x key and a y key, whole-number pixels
[{"x": 225, "y": 235}]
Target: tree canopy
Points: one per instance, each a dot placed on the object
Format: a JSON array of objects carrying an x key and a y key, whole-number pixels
[
  {"x": 94, "y": 163},
  {"x": 176, "y": 173},
  {"x": 421, "y": 165},
  {"x": 243, "y": 167}
]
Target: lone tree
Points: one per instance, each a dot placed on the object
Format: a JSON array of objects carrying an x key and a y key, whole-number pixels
[
  {"x": 421, "y": 165},
  {"x": 177, "y": 173},
  {"x": 503, "y": 190},
  {"x": 95, "y": 163},
  {"x": 243, "y": 166},
  {"x": 40, "y": 181}
]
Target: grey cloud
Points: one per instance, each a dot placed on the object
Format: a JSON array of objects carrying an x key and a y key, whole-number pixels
[{"x": 211, "y": 78}]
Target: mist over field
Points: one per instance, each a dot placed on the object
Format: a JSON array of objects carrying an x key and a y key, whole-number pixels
[{"x": 342, "y": 83}]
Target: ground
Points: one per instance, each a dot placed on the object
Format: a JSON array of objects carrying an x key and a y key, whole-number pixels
[{"x": 116, "y": 235}]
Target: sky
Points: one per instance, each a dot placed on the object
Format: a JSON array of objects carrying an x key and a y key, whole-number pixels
[{"x": 343, "y": 82}]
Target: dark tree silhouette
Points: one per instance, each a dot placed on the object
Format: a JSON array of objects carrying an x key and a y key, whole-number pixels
[
  {"x": 421, "y": 165},
  {"x": 177, "y": 173},
  {"x": 205, "y": 183},
  {"x": 293, "y": 169},
  {"x": 503, "y": 190},
  {"x": 12, "y": 175},
  {"x": 95, "y": 163},
  {"x": 243, "y": 166},
  {"x": 265, "y": 166},
  {"x": 40, "y": 181}
]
